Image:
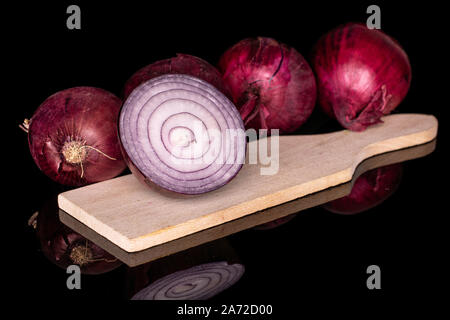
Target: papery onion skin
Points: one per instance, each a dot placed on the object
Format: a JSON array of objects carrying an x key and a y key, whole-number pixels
[
  {"x": 271, "y": 84},
  {"x": 362, "y": 75},
  {"x": 369, "y": 190},
  {"x": 64, "y": 247},
  {"x": 181, "y": 64},
  {"x": 157, "y": 172},
  {"x": 82, "y": 120}
]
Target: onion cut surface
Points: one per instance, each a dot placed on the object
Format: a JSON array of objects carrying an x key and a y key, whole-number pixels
[
  {"x": 182, "y": 134},
  {"x": 200, "y": 282}
]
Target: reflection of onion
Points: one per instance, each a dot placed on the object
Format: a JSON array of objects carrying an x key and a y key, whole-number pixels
[
  {"x": 275, "y": 223},
  {"x": 369, "y": 190},
  {"x": 197, "y": 283},
  {"x": 64, "y": 247},
  {"x": 197, "y": 273}
]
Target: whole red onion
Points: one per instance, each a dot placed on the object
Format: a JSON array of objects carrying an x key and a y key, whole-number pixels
[
  {"x": 271, "y": 84},
  {"x": 73, "y": 136},
  {"x": 181, "y": 64},
  {"x": 369, "y": 190},
  {"x": 362, "y": 74}
]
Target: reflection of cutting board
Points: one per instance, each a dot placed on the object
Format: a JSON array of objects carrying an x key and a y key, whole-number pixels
[{"x": 134, "y": 217}]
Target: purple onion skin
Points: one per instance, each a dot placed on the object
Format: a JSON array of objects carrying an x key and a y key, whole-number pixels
[
  {"x": 86, "y": 115},
  {"x": 181, "y": 64},
  {"x": 271, "y": 84},
  {"x": 362, "y": 75},
  {"x": 369, "y": 190}
]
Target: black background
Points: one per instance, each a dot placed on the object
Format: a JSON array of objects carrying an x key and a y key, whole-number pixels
[{"x": 318, "y": 256}]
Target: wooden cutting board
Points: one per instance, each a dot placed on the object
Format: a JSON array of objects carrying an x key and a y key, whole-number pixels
[
  {"x": 293, "y": 207},
  {"x": 134, "y": 218}
]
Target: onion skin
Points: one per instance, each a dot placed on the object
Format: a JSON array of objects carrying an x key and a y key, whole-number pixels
[
  {"x": 85, "y": 117},
  {"x": 181, "y": 64},
  {"x": 362, "y": 75},
  {"x": 64, "y": 247},
  {"x": 369, "y": 190},
  {"x": 271, "y": 84}
]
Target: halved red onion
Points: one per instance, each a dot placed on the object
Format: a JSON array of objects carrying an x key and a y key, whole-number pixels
[
  {"x": 182, "y": 134},
  {"x": 200, "y": 282}
]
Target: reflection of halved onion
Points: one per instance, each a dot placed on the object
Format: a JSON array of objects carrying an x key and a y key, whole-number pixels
[
  {"x": 200, "y": 282},
  {"x": 182, "y": 134}
]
